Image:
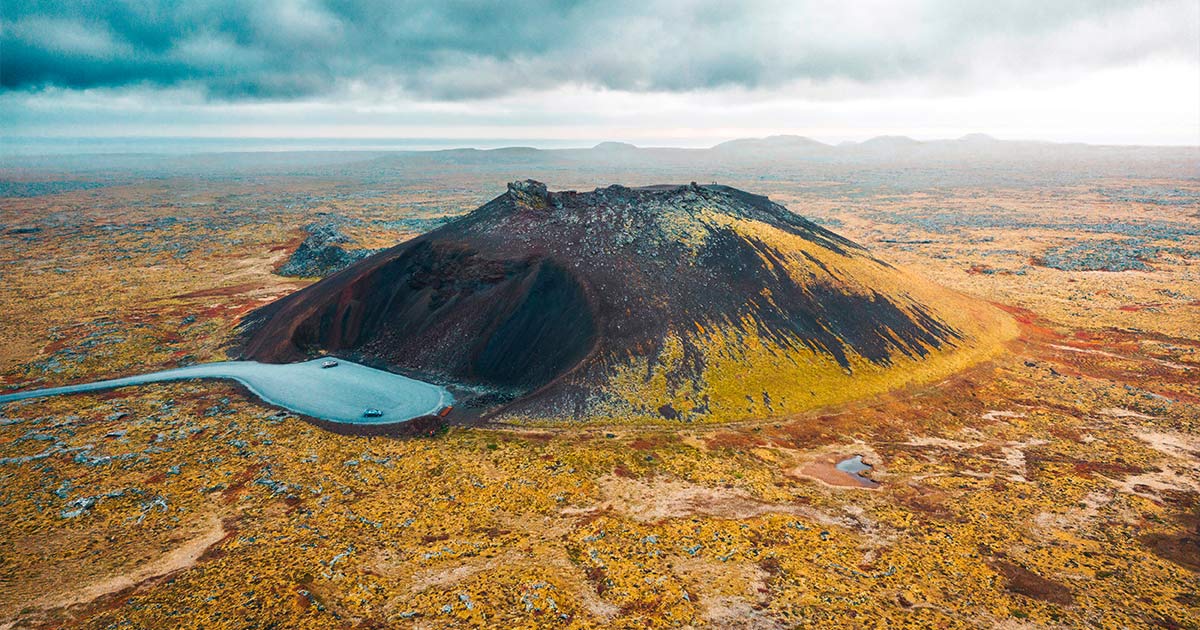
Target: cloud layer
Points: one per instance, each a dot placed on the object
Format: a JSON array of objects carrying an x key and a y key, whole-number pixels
[{"x": 458, "y": 49}]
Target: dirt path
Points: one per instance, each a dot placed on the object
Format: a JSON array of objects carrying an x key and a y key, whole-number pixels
[{"x": 180, "y": 558}]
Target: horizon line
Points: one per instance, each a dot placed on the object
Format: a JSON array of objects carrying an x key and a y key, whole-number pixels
[{"x": 495, "y": 144}]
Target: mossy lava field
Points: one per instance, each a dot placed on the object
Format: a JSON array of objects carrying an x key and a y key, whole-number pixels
[{"x": 658, "y": 391}]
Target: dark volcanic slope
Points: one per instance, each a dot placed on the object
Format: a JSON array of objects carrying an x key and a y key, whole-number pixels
[{"x": 693, "y": 302}]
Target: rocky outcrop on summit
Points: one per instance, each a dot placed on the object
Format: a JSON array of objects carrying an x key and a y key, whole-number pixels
[{"x": 687, "y": 303}]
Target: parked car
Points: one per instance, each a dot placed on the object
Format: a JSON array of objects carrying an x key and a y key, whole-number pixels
[
  {"x": 328, "y": 363},
  {"x": 371, "y": 412}
]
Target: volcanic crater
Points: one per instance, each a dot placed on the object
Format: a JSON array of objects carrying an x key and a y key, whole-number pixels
[{"x": 664, "y": 303}]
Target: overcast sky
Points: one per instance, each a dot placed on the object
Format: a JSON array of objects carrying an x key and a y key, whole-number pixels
[{"x": 651, "y": 72}]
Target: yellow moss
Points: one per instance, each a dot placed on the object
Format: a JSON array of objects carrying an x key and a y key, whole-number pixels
[{"x": 739, "y": 367}]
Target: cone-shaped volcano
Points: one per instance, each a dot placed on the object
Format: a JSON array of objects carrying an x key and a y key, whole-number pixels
[{"x": 691, "y": 303}]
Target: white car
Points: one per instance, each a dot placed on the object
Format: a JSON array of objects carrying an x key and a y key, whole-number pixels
[{"x": 328, "y": 364}]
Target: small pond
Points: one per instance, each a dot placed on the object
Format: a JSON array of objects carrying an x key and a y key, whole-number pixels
[{"x": 854, "y": 466}]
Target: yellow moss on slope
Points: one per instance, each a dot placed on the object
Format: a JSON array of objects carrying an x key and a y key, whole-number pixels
[{"x": 746, "y": 376}]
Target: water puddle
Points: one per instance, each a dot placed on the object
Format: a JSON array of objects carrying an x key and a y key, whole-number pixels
[{"x": 853, "y": 466}]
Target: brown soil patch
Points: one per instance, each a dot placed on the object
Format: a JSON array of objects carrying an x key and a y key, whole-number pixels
[
  {"x": 1022, "y": 581},
  {"x": 658, "y": 499},
  {"x": 729, "y": 595},
  {"x": 824, "y": 469},
  {"x": 236, "y": 289},
  {"x": 182, "y": 557},
  {"x": 1183, "y": 549}
]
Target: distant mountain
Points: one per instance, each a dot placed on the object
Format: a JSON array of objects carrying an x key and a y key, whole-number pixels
[
  {"x": 614, "y": 146},
  {"x": 977, "y": 138},
  {"x": 884, "y": 147},
  {"x": 889, "y": 142},
  {"x": 772, "y": 144},
  {"x": 509, "y": 155},
  {"x": 976, "y": 157}
]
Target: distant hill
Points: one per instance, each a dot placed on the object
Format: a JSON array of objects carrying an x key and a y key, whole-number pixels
[
  {"x": 614, "y": 146},
  {"x": 954, "y": 153},
  {"x": 977, "y": 138},
  {"x": 973, "y": 159},
  {"x": 772, "y": 144},
  {"x": 889, "y": 142}
]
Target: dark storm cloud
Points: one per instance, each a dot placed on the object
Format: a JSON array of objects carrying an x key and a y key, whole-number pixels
[{"x": 462, "y": 49}]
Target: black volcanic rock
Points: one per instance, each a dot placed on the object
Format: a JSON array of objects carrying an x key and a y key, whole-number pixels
[
  {"x": 321, "y": 253},
  {"x": 623, "y": 302}
]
